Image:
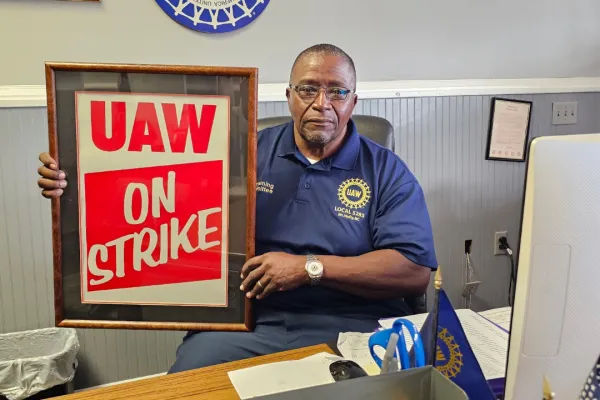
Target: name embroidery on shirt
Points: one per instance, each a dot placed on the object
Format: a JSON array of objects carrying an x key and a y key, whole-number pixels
[
  {"x": 266, "y": 187},
  {"x": 354, "y": 194}
]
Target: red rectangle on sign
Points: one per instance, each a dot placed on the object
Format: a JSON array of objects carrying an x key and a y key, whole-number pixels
[{"x": 154, "y": 225}]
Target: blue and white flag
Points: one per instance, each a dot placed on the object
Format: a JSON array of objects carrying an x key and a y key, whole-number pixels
[
  {"x": 591, "y": 388},
  {"x": 453, "y": 355}
]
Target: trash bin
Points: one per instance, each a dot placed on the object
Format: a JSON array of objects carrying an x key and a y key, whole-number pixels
[{"x": 36, "y": 360}]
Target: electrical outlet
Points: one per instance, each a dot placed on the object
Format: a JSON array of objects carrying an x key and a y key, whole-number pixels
[
  {"x": 564, "y": 113},
  {"x": 470, "y": 288},
  {"x": 497, "y": 236}
]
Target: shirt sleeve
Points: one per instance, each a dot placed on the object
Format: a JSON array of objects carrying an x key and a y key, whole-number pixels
[{"x": 402, "y": 223}]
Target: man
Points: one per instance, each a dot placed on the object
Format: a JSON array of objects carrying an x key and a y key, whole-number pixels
[{"x": 342, "y": 235}]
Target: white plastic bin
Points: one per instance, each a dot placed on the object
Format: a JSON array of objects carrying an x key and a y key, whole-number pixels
[{"x": 36, "y": 360}]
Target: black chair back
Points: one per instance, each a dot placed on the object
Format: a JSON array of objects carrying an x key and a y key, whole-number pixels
[{"x": 381, "y": 131}]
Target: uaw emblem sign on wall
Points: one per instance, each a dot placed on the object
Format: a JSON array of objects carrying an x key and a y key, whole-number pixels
[{"x": 213, "y": 16}]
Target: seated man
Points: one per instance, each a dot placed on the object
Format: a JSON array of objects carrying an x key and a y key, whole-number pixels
[{"x": 341, "y": 238}]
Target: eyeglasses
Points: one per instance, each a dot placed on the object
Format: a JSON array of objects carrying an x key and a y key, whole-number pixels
[{"x": 311, "y": 91}]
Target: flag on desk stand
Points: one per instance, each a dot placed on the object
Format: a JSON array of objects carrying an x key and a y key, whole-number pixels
[
  {"x": 448, "y": 350},
  {"x": 591, "y": 388},
  {"x": 548, "y": 393}
]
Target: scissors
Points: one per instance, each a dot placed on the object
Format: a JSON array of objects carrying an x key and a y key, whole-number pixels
[{"x": 382, "y": 338}]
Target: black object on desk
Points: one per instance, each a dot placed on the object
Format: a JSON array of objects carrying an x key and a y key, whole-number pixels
[{"x": 345, "y": 369}]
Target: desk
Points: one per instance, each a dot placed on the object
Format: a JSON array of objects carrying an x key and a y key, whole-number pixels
[{"x": 203, "y": 383}]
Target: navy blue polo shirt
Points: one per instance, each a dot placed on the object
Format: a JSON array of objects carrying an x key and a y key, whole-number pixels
[{"x": 360, "y": 199}]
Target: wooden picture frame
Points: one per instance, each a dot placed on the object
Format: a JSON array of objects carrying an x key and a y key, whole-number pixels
[
  {"x": 508, "y": 131},
  {"x": 172, "y": 187}
]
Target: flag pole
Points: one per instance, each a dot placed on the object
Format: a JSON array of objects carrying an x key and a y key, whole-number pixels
[
  {"x": 548, "y": 393},
  {"x": 436, "y": 310}
]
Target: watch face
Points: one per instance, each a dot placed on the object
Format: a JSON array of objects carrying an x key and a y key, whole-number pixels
[{"x": 315, "y": 268}]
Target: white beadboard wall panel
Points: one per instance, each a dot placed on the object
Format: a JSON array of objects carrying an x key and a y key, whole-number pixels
[
  {"x": 26, "y": 287},
  {"x": 442, "y": 139}
]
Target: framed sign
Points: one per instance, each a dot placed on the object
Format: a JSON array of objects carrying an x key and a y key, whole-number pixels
[
  {"x": 157, "y": 218},
  {"x": 508, "y": 130}
]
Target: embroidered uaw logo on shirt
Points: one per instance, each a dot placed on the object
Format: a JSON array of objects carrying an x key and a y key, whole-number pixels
[{"x": 354, "y": 194}]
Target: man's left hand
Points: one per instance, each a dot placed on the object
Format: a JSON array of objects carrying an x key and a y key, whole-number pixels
[{"x": 270, "y": 272}]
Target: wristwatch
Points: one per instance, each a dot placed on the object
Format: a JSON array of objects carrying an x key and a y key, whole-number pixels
[{"x": 314, "y": 268}]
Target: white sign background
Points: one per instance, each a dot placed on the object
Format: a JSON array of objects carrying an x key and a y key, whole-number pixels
[{"x": 91, "y": 159}]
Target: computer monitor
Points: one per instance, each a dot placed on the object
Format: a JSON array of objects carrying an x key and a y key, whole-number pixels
[{"x": 555, "y": 327}]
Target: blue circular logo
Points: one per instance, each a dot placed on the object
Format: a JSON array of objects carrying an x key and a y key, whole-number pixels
[{"x": 213, "y": 16}]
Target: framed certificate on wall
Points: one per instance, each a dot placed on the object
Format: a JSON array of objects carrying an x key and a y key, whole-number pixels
[
  {"x": 508, "y": 130},
  {"x": 157, "y": 218}
]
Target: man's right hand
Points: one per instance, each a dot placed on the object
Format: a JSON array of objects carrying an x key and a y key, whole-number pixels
[{"x": 52, "y": 180}]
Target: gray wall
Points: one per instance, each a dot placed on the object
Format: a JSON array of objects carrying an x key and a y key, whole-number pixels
[
  {"x": 434, "y": 39},
  {"x": 442, "y": 140}
]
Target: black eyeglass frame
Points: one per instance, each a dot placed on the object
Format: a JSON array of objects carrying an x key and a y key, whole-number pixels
[{"x": 318, "y": 90}]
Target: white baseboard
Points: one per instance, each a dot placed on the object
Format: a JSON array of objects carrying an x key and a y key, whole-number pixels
[{"x": 35, "y": 95}]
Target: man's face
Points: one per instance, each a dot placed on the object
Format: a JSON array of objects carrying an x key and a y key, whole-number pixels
[{"x": 317, "y": 118}]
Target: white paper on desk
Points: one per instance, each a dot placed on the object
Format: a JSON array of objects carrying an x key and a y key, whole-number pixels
[
  {"x": 355, "y": 346},
  {"x": 499, "y": 316},
  {"x": 489, "y": 343},
  {"x": 282, "y": 376}
]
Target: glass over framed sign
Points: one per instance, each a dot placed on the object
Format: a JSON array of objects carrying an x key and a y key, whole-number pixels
[{"x": 157, "y": 218}]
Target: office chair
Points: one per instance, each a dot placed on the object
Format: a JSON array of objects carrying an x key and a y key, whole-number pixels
[
  {"x": 375, "y": 128},
  {"x": 381, "y": 131}
]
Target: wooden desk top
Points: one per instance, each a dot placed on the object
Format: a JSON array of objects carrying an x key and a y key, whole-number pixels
[{"x": 203, "y": 383}]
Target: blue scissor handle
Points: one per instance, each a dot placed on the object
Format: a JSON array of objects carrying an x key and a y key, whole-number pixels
[
  {"x": 382, "y": 338},
  {"x": 418, "y": 348}
]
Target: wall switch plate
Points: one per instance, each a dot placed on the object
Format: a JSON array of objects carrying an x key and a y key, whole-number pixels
[
  {"x": 564, "y": 113},
  {"x": 497, "y": 236}
]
